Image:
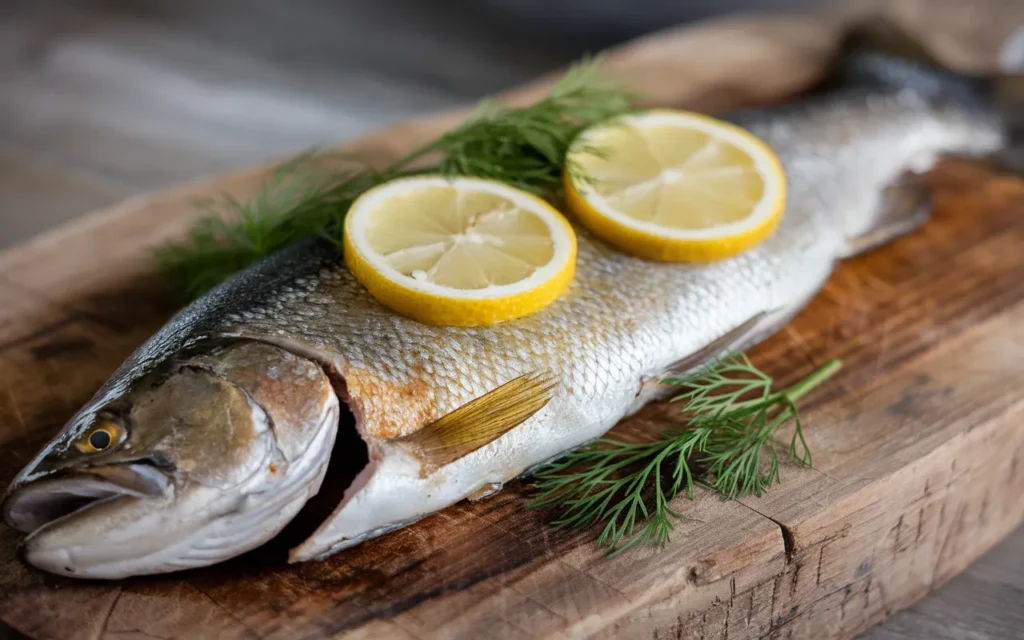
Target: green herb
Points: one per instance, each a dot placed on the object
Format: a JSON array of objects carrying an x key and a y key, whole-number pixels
[
  {"x": 731, "y": 414},
  {"x": 524, "y": 147}
]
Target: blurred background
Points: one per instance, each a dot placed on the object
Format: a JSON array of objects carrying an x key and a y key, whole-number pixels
[{"x": 104, "y": 99}]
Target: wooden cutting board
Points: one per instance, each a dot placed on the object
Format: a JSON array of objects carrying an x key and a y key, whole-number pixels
[{"x": 918, "y": 446}]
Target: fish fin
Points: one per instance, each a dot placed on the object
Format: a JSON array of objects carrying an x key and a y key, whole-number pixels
[
  {"x": 733, "y": 341},
  {"x": 879, "y": 52},
  {"x": 1009, "y": 99},
  {"x": 1007, "y": 95},
  {"x": 906, "y": 206},
  {"x": 880, "y": 34},
  {"x": 481, "y": 420}
]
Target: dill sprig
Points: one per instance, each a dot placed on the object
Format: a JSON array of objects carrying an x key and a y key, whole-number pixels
[
  {"x": 732, "y": 415},
  {"x": 524, "y": 147}
]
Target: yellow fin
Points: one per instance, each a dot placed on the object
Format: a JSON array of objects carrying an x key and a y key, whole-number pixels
[{"x": 480, "y": 421}]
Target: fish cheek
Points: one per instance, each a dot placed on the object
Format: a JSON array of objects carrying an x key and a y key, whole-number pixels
[
  {"x": 204, "y": 426},
  {"x": 292, "y": 390}
]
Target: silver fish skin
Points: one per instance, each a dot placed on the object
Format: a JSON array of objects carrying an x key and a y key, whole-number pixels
[{"x": 621, "y": 326}]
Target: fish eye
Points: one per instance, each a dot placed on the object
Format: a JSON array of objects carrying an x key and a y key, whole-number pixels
[{"x": 100, "y": 437}]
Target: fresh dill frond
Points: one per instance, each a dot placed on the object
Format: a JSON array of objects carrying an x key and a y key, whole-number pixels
[
  {"x": 300, "y": 198},
  {"x": 524, "y": 147},
  {"x": 731, "y": 416}
]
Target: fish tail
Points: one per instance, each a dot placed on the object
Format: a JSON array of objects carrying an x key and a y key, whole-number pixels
[
  {"x": 904, "y": 206},
  {"x": 1009, "y": 100},
  {"x": 879, "y": 53}
]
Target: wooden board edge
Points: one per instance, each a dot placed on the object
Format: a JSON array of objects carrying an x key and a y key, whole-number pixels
[
  {"x": 949, "y": 507},
  {"x": 862, "y": 602}
]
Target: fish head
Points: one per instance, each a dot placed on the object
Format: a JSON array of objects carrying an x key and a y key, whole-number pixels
[{"x": 182, "y": 469}]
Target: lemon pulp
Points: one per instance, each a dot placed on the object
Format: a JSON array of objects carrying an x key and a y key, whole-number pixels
[
  {"x": 458, "y": 252},
  {"x": 675, "y": 186}
]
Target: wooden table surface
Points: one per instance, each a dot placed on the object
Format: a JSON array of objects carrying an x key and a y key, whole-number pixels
[{"x": 102, "y": 100}]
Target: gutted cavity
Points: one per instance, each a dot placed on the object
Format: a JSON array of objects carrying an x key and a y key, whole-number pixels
[{"x": 348, "y": 458}]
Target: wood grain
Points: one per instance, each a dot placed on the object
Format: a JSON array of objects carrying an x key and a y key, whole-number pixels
[
  {"x": 37, "y": 197},
  {"x": 919, "y": 457},
  {"x": 993, "y": 586}
]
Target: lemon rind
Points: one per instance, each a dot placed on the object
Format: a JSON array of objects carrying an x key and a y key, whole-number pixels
[
  {"x": 655, "y": 242},
  {"x": 436, "y": 304}
]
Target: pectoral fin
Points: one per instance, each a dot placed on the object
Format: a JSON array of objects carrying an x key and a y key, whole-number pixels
[
  {"x": 733, "y": 341},
  {"x": 906, "y": 205},
  {"x": 480, "y": 421},
  {"x": 744, "y": 335}
]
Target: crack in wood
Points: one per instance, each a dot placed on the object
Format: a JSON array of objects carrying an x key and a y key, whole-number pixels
[
  {"x": 950, "y": 534},
  {"x": 821, "y": 555},
  {"x": 920, "y": 526},
  {"x": 896, "y": 542},
  {"x": 146, "y": 634},
  {"x": 775, "y": 590},
  {"x": 750, "y": 608},
  {"x": 884, "y": 598},
  {"x": 110, "y": 612},
  {"x": 795, "y": 579},
  {"x": 550, "y": 554},
  {"x": 228, "y": 612}
]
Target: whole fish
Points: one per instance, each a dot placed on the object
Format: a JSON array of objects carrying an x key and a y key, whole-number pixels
[{"x": 217, "y": 431}]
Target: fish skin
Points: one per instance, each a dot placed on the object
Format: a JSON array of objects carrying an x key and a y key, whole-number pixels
[{"x": 622, "y": 323}]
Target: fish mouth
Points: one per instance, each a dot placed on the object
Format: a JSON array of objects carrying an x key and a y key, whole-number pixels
[{"x": 64, "y": 493}]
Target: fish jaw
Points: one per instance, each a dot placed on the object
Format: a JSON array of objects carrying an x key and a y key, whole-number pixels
[{"x": 31, "y": 506}]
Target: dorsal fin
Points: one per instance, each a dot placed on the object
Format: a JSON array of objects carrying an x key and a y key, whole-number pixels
[{"x": 480, "y": 421}]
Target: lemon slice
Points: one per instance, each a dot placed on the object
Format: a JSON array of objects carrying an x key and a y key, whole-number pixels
[
  {"x": 461, "y": 251},
  {"x": 675, "y": 186}
]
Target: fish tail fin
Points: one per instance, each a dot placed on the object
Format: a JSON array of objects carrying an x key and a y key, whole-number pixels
[
  {"x": 878, "y": 52},
  {"x": 1009, "y": 100},
  {"x": 737, "y": 340},
  {"x": 905, "y": 206}
]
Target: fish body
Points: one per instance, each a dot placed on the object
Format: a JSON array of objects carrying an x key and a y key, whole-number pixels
[{"x": 300, "y": 317}]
